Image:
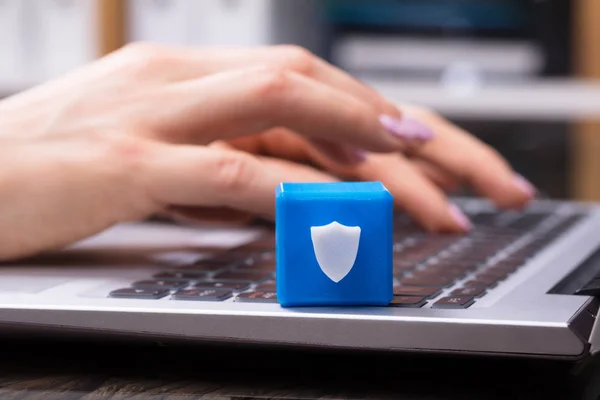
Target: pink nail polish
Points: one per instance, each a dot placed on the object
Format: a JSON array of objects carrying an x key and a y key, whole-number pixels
[
  {"x": 407, "y": 128},
  {"x": 525, "y": 186},
  {"x": 357, "y": 155},
  {"x": 460, "y": 218},
  {"x": 361, "y": 155}
]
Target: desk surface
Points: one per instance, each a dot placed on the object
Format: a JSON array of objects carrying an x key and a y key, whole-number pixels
[{"x": 47, "y": 370}]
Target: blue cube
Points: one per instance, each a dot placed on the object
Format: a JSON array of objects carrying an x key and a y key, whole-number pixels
[{"x": 334, "y": 244}]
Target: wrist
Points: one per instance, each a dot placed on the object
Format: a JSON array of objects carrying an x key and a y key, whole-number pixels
[{"x": 56, "y": 192}]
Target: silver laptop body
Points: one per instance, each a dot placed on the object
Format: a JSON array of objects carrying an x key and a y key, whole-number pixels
[{"x": 531, "y": 312}]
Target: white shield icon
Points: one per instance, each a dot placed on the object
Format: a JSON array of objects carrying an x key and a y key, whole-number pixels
[{"x": 336, "y": 247}]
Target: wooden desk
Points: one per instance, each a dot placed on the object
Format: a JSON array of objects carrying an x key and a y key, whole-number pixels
[{"x": 46, "y": 370}]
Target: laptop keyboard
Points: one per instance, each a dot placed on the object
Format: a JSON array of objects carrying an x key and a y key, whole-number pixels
[{"x": 437, "y": 271}]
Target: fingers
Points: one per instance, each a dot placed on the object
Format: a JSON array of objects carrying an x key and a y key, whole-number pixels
[
  {"x": 241, "y": 102},
  {"x": 191, "y": 215},
  {"x": 280, "y": 142},
  {"x": 196, "y": 176},
  {"x": 300, "y": 60},
  {"x": 442, "y": 178},
  {"x": 472, "y": 162},
  {"x": 185, "y": 63},
  {"x": 415, "y": 186},
  {"x": 414, "y": 193},
  {"x": 283, "y": 143}
]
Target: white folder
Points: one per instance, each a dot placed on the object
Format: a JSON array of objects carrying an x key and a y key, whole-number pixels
[
  {"x": 159, "y": 21},
  {"x": 12, "y": 46},
  {"x": 232, "y": 22},
  {"x": 257, "y": 23},
  {"x": 66, "y": 35},
  {"x": 224, "y": 22}
]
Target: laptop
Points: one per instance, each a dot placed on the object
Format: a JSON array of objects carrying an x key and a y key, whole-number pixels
[{"x": 522, "y": 283}]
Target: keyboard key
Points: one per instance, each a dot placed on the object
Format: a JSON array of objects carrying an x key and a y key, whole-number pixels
[
  {"x": 469, "y": 291},
  {"x": 179, "y": 276},
  {"x": 397, "y": 247},
  {"x": 453, "y": 265},
  {"x": 266, "y": 287},
  {"x": 422, "y": 291},
  {"x": 133, "y": 293},
  {"x": 441, "y": 272},
  {"x": 401, "y": 266},
  {"x": 413, "y": 258},
  {"x": 484, "y": 218},
  {"x": 408, "y": 301},
  {"x": 227, "y": 285},
  {"x": 466, "y": 260},
  {"x": 429, "y": 281},
  {"x": 257, "y": 297},
  {"x": 480, "y": 284},
  {"x": 516, "y": 259},
  {"x": 400, "y": 274},
  {"x": 243, "y": 276},
  {"x": 158, "y": 284},
  {"x": 454, "y": 302},
  {"x": 506, "y": 266},
  {"x": 493, "y": 276},
  {"x": 499, "y": 272},
  {"x": 528, "y": 221},
  {"x": 202, "y": 295},
  {"x": 487, "y": 279},
  {"x": 532, "y": 249}
]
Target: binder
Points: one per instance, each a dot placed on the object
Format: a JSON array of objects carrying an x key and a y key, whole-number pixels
[
  {"x": 159, "y": 21},
  {"x": 232, "y": 22},
  {"x": 12, "y": 46},
  {"x": 66, "y": 35},
  {"x": 225, "y": 22},
  {"x": 199, "y": 22},
  {"x": 259, "y": 23}
]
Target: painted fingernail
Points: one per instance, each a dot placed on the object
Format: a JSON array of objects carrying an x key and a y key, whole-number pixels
[
  {"x": 525, "y": 186},
  {"x": 407, "y": 128},
  {"x": 460, "y": 218},
  {"x": 353, "y": 155},
  {"x": 358, "y": 155}
]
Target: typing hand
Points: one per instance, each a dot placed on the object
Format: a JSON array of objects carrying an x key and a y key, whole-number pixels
[{"x": 193, "y": 132}]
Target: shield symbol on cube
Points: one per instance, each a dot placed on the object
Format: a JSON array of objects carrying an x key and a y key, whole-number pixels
[{"x": 336, "y": 247}]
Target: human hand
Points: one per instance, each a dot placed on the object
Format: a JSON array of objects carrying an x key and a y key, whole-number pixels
[{"x": 191, "y": 132}]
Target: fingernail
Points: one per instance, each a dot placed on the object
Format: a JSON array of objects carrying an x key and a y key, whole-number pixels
[
  {"x": 358, "y": 155},
  {"x": 406, "y": 128},
  {"x": 349, "y": 155},
  {"x": 525, "y": 186},
  {"x": 352, "y": 155},
  {"x": 460, "y": 218}
]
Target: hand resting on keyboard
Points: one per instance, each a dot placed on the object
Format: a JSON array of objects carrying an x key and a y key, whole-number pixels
[{"x": 197, "y": 133}]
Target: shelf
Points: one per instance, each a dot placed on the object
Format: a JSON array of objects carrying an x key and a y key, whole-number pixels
[{"x": 546, "y": 100}]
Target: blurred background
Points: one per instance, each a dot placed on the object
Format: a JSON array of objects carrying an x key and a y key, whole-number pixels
[{"x": 522, "y": 75}]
